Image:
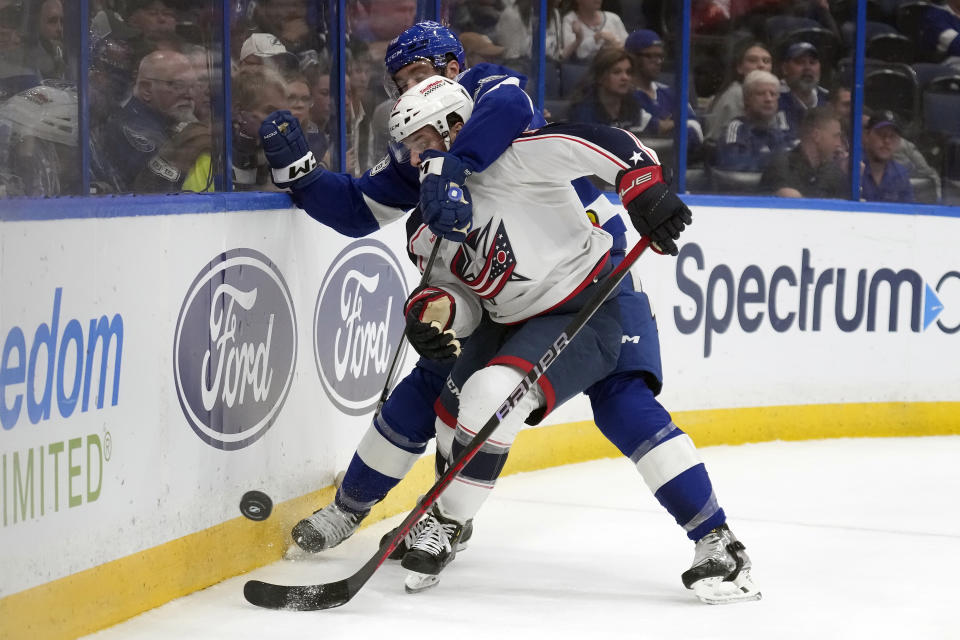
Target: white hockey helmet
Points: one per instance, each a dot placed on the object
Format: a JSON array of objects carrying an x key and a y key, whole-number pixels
[
  {"x": 47, "y": 111},
  {"x": 428, "y": 103}
]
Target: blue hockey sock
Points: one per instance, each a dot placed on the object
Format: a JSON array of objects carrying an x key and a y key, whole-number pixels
[{"x": 627, "y": 413}]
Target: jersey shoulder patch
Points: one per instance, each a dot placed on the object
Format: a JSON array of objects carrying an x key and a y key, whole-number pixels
[
  {"x": 138, "y": 140},
  {"x": 164, "y": 169},
  {"x": 380, "y": 166}
]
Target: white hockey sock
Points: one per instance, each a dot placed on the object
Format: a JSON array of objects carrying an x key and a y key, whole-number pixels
[{"x": 481, "y": 396}]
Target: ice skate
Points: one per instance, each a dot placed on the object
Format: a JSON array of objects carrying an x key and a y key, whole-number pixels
[
  {"x": 326, "y": 528},
  {"x": 434, "y": 548},
  {"x": 407, "y": 542},
  {"x": 721, "y": 569}
]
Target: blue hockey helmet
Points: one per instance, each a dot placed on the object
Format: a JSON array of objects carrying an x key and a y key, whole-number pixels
[{"x": 428, "y": 40}]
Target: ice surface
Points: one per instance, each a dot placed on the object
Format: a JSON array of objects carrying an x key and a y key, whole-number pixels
[{"x": 850, "y": 539}]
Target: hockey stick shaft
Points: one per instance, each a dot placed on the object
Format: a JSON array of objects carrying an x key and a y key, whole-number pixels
[
  {"x": 335, "y": 594},
  {"x": 396, "y": 355}
]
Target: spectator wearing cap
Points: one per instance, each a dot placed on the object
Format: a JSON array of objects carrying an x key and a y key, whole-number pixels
[
  {"x": 883, "y": 179},
  {"x": 801, "y": 90},
  {"x": 752, "y": 138},
  {"x": 586, "y": 29},
  {"x": 940, "y": 32},
  {"x": 810, "y": 170},
  {"x": 266, "y": 49},
  {"x": 605, "y": 95},
  {"x": 480, "y": 48},
  {"x": 656, "y": 98}
]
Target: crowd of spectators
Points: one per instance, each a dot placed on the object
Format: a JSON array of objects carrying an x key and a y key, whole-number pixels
[{"x": 770, "y": 88}]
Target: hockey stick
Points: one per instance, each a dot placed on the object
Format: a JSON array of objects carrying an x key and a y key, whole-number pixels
[
  {"x": 334, "y": 594},
  {"x": 396, "y": 356}
]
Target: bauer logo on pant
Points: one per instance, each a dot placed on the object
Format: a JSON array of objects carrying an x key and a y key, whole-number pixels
[
  {"x": 234, "y": 349},
  {"x": 358, "y": 324}
]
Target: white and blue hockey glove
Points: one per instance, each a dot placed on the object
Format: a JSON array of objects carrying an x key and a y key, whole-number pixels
[
  {"x": 656, "y": 213},
  {"x": 444, "y": 198},
  {"x": 287, "y": 151}
]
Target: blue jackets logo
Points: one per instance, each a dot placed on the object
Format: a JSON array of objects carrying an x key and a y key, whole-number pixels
[
  {"x": 358, "y": 324},
  {"x": 234, "y": 349},
  {"x": 885, "y": 299}
]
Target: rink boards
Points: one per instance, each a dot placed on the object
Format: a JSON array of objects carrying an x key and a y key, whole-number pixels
[{"x": 162, "y": 356}]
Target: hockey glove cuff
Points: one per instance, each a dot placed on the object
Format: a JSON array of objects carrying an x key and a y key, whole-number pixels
[
  {"x": 285, "y": 146},
  {"x": 444, "y": 199},
  {"x": 655, "y": 211},
  {"x": 429, "y": 313}
]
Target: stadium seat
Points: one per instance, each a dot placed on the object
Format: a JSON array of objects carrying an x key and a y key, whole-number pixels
[
  {"x": 882, "y": 10},
  {"x": 941, "y": 109},
  {"x": 928, "y": 71},
  {"x": 924, "y": 190},
  {"x": 909, "y": 15},
  {"x": 697, "y": 180},
  {"x": 848, "y": 32},
  {"x": 570, "y": 75},
  {"x": 890, "y": 47},
  {"x": 777, "y": 26},
  {"x": 557, "y": 108},
  {"x": 893, "y": 88},
  {"x": 551, "y": 81},
  {"x": 735, "y": 181},
  {"x": 951, "y": 191},
  {"x": 945, "y": 84}
]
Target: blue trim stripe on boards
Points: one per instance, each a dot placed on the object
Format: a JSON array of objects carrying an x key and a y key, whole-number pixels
[
  {"x": 815, "y": 204},
  {"x": 24, "y": 209}
]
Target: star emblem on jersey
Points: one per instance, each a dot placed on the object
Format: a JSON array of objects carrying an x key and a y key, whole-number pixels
[
  {"x": 636, "y": 157},
  {"x": 486, "y": 262}
]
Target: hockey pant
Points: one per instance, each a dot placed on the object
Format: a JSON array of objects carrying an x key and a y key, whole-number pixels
[{"x": 624, "y": 409}]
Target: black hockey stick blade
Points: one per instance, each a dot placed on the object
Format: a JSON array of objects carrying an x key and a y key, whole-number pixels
[
  {"x": 309, "y": 597},
  {"x": 334, "y": 594}
]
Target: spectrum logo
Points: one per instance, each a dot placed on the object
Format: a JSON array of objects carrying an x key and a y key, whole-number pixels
[{"x": 833, "y": 297}]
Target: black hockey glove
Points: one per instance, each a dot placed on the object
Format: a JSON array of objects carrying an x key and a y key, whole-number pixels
[
  {"x": 430, "y": 312},
  {"x": 655, "y": 212}
]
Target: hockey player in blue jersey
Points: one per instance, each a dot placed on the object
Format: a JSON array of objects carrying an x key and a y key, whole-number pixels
[{"x": 624, "y": 404}]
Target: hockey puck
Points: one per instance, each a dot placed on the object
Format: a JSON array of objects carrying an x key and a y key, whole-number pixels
[{"x": 256, "y": 505}]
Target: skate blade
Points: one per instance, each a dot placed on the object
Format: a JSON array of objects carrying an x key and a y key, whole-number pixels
[
  {"x": 417, "y": 582},
  {"x": 717, "y": 591}
]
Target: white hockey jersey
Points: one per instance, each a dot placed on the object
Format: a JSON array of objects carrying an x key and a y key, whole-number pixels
[{"x": 531, "y": 247}]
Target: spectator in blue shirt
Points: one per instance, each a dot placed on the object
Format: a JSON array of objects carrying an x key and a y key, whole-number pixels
[
  {"x": 750, "y": 139},
  {"x": 801, "y": 90},
  {"x": 940, "y": 32},
  {"x": 656, "y": 98},
  {"x": 883, "y": 179}
]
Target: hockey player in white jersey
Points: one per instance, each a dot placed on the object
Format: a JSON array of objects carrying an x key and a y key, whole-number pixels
[
  {"x": 528, "y": 259},
  {"x": 624, "y": 403}
]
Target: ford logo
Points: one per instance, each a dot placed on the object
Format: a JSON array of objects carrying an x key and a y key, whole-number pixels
[
  {"x": 358, "y": 324},
  {"x": 234, "y": 349}
]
